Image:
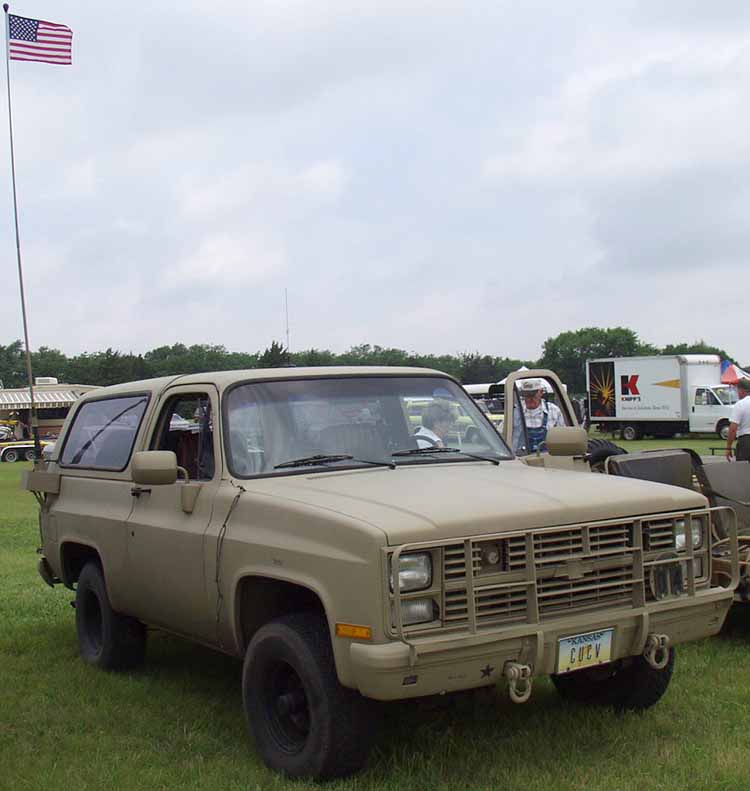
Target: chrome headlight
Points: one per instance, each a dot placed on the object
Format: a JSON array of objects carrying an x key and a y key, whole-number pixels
[
  {"x": 696, "y": 530},
  {"x": 414, "y": 572}
]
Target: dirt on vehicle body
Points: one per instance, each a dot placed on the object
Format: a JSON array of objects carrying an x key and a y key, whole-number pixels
[{"x": 290, "y": 518}]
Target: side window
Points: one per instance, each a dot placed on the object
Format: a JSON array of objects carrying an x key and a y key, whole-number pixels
[
  {"x": 701, "y": 397},
  {"x": 185, "y": 426},
  {"x": 103, "y": 433}
]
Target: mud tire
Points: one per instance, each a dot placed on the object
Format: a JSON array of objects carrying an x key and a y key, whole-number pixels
[
  {"x": 627, "y": 685},
  {"x": 305, "y": 724},
  {"x": 106, "y": 639}
]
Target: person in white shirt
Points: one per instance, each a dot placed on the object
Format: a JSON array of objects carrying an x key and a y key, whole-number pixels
[
  {"x": 437, "y": 420},
  {"x": 739, "y": 426},
  {"x": 538, "y": 415}
]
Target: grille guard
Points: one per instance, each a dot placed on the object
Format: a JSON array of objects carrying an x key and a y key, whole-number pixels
[{"x": 393, "y": 613}]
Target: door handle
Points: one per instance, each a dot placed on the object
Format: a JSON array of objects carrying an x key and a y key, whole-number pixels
[{"x": 137, "y": 491}]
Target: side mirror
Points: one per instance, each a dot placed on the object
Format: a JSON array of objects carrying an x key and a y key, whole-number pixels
[
  {"x": 154, "y": 467},
  {"x": 567, "y": 441}
]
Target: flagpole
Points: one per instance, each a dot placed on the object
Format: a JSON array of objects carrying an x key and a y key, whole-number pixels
[{"x": 34, "y": 419}]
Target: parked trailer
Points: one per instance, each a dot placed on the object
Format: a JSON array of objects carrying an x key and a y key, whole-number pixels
[{"x": 659, "y": 396}]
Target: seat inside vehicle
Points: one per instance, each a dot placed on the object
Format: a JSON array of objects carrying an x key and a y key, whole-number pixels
[
  {"x": 732, "y": 480},
  {"x": 674, "y": 467},
  {"x": 361, "y": 440}
]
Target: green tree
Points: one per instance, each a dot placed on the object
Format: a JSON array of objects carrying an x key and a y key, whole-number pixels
[
  {"x": 49, "y": 362},
  {"x": 566, "y": 353},
  {"x": 13, "y": 365},
  {"x": 698, "y": 347},
  {"x": 274, "y": 356}
]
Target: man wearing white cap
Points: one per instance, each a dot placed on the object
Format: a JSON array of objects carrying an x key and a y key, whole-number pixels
[{"x": 539, "y": 416}]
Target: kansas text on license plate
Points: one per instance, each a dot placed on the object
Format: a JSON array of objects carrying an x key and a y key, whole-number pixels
[{"x": 584, "y": 650}]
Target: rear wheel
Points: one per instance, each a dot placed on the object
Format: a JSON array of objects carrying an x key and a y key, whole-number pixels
[
  {"x": 29, "y": 455},
  {"x": 304, "y": 722},
  {"x": 628, "y": 684},
  {"x": 10, "y": 455},
  {"x": 106, "y": 639},
  {"x": 631, "y": 432}
]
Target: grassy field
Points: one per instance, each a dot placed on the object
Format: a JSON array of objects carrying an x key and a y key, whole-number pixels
[{"x": 178, "y": 723}]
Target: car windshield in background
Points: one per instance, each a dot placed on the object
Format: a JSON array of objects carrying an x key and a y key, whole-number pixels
[
  {"x": 353, "y": 421},
  {"x": 727, "y": 395}
]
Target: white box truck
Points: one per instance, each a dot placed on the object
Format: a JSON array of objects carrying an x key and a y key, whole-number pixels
[{"x": 659, "y": 396}]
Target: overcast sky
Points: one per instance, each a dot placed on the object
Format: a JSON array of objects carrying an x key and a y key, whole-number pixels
[{"x": 433, "y": 175}]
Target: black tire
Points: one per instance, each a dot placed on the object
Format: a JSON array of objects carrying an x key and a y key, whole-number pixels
[
  {"x": 10, "y": 455},
  {"x": 29, "y": 455},
  {"x": 627, "y": 685},
  {"x": 305, "y": 724},
  {"x": 631, "y": 432},
  {"x": 106, "y": 639},
  {"x": 599, "y": 450},
  {"x": 723, "y": 429}
]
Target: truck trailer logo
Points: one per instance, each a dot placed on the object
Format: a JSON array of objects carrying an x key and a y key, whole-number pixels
[
  {"x": 602, "y": 389},
  {"x": 629, "y": 387}
]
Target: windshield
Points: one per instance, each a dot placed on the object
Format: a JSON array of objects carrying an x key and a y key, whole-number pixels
[
  {"x": 289, "y": 425},
  {"x": 727, "y": 395}
]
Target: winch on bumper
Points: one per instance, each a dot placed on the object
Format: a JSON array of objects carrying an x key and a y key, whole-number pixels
[{"x": 545, "y": 601}]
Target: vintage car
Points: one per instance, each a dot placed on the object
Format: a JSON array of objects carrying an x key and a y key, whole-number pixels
[{"x": 302, "y": 528}]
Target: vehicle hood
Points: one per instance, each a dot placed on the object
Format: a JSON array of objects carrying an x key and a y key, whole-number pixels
[{"x": 433, "y": 502}]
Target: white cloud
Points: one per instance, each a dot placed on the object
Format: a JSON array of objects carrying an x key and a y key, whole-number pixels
[
  {"x": 419, "y": 173},
  {"x": 226, "y": 261}
]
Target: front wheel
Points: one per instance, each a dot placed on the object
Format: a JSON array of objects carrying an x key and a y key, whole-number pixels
[
  {"x": 628, "y": 685},
  {"x": 106, "y": 639},
  {"x": 305, "y": 724},
  {"x": 723, "y": 430},
  {"x": 10, "y": 455}
]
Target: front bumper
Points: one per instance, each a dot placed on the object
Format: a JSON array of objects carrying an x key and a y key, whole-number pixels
[{"x": 449, "y": 663}]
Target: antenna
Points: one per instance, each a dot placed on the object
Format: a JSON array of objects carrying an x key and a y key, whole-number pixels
[{"x": 286, "y": 310}]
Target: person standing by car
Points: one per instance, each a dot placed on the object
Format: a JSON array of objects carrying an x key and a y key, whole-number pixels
[
  {"x": 739, "y": 425},
  {"x": 538, "y": 416}
]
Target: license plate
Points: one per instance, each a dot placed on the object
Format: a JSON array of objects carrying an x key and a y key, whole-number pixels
[{"x": 584, "y": 650}]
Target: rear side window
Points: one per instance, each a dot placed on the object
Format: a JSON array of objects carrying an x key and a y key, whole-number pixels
[{"x": 103, "y": 433}]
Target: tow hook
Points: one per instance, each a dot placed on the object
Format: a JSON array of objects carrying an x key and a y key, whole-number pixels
[
  {"x": 656, "y": 651},
  {"x": 519, "y": 681}
]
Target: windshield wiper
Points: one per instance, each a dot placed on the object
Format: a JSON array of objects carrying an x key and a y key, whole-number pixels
[
  {"x": 431, "y": 450},
  {"x": 328, "y": 458}
]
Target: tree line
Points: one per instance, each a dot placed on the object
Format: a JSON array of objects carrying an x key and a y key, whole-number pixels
[{"x": 565, "y": 354}]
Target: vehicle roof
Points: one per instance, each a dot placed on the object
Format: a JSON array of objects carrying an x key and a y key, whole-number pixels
[{"x": 222, "y": 379}]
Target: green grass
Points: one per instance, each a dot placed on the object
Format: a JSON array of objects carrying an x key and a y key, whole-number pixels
[
  {"x": 701, "y": 444},
  {"x": 178, "y": 723}
]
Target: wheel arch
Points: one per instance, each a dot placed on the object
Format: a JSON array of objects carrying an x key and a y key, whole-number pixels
[
  {"x": 73, "y": 557},
  {"x": 260, "y": 598}
]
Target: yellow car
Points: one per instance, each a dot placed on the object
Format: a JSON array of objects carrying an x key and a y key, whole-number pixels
[{"x": 16, "y": 450}]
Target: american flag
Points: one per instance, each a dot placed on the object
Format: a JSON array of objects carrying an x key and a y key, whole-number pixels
[{"x": 35, "y": 39}]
